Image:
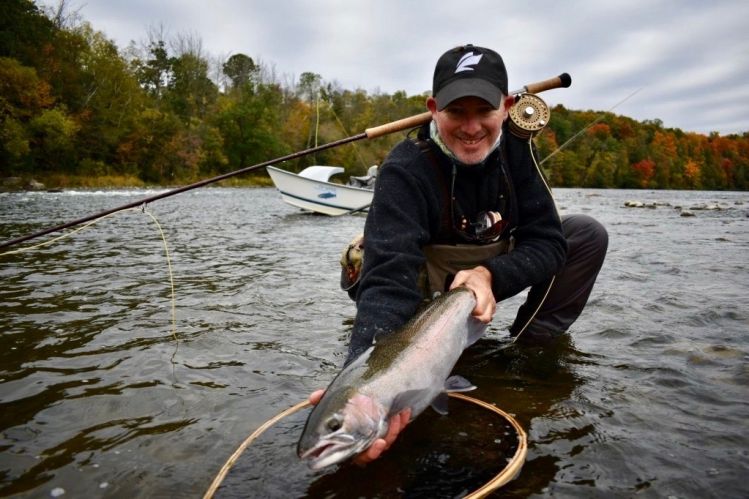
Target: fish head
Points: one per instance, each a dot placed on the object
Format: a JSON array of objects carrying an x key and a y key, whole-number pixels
[{"x": 336, "y": 432}]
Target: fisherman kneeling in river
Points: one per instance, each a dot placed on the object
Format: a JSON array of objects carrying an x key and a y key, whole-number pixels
[{"x": 464, "y": 204}]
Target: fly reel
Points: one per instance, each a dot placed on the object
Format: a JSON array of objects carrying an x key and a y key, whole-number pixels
[{"x": 528, "y": 116}]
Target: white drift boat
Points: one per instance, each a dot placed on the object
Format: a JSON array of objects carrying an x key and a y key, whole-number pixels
[{"x": 312, "y": 190}]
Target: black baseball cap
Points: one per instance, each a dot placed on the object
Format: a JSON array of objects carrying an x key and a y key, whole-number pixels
[{"x": 469, "y": 71}]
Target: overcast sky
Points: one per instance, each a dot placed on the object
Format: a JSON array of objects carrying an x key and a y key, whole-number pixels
[{"x": 688, "y": 59}]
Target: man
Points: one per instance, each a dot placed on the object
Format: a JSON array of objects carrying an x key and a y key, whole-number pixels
[{"x": 465, "y": 205}]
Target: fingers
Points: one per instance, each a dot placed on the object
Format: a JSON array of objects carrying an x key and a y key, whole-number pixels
[
  {"x": 485, "y": 308},
  {"x": 373, "y": 452},
  {"x": 397, "y": 423},
  {"x": 405, "y": 417},
  {"x": 395, "y": 426},
  {"x": 478, "y": 280}
]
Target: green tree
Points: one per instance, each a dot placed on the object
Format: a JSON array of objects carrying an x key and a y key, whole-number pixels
[
  {"x": 23, "y": 97},
  {"x": 664, "y": 154},
  {"x": 53, "y": 133},
  {"x": 61, "y": 68},
  {"x": 240, "y": 69},
  {"x": 148, "y": 150},
  {"x": 190, "y": 92},
  {"x": 248, "y": 126},
  {"x": 564, "y": 168},
  {"x": 25, "y": 32},
  {"x": 155, "y": 72},
  {"x": 113, "y": 98},
  {"x": 309, "y": 86}
]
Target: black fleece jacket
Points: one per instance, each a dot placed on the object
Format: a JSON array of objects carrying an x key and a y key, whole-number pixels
[{"x": 407, "y": 213}]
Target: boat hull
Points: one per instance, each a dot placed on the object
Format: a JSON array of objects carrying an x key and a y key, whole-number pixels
[{"x": 319, "y": 196}]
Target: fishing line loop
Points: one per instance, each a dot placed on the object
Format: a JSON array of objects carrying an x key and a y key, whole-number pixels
[
  {"x": 171, "y": 274},
  {"x": 58, "y": 238}
]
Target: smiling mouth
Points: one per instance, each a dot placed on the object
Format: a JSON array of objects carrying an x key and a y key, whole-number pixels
[{"x": 471, "y": 142}]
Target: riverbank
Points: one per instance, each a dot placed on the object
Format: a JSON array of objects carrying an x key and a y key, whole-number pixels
[{"x": 57, "y": 182}]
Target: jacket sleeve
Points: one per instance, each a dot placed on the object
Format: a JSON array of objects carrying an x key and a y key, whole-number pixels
[
  {"x": 396, "y": 229},
  {"x": 540, "y": 246}
]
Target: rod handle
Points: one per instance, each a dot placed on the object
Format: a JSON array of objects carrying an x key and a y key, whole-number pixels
[
  {"x": 397, "y": 126},
  {"x": 564, "y": 80}
]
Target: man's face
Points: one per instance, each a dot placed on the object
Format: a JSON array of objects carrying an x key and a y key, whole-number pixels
[{"x": 469, "y": 127}]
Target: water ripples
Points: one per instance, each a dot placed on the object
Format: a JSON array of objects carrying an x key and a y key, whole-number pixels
[{"x": 97, "y": 397}]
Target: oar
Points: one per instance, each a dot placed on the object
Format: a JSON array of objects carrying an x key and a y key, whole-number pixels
[{"x": 562, "y": 80}]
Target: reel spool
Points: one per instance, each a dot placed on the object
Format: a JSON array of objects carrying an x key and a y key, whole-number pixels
[{"x": 528, "y": 116}]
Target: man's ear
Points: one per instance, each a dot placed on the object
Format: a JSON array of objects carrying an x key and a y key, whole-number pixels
[
  {"x": 509, "y": 102},
  {"x": 431, "y": 105}
]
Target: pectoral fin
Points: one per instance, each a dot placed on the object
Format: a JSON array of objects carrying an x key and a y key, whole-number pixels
[
  {"x": 405, "y": 399},
  {"x": 475, "y": 331},
  {"x": 439, "y": 403},
  {"x": 457, "y": 383},
  {"x": 454, "y": 383}
]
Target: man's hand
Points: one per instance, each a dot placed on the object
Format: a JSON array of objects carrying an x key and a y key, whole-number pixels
[
  {"x": 478, "y": 280},
  {"x": 395, "y": 426}
]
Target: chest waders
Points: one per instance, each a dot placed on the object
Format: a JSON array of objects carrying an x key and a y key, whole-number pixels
[{"x": 443, "y": 261}]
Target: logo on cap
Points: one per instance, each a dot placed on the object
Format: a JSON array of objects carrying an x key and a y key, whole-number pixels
[{"x": 469, "y": 59}]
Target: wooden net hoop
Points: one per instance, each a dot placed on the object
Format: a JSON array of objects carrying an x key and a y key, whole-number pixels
[{"x": 505, "y": 475}]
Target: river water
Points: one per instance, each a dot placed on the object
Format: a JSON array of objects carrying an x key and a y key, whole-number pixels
[{"x": 101, "y": 395}]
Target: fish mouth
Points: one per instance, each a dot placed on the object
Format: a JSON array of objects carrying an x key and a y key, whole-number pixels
[{"x": 332, "y": 450}]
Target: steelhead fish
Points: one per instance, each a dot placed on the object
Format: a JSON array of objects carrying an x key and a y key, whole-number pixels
[{"x": 407, "y": 368}]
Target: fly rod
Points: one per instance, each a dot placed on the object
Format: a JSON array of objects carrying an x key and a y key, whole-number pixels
[{"x": 561, "y": 81}]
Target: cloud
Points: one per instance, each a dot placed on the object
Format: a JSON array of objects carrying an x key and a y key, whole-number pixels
[{"x": 689, "y": 57}]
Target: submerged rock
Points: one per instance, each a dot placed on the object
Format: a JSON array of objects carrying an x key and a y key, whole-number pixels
[
  {"x": 640, "y": 204},
  {"x": 33, "y": 185},
  {"x": 706, "y": 207}
]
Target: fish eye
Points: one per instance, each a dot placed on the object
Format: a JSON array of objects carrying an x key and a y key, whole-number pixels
[{"x": 333, "y": 424}]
